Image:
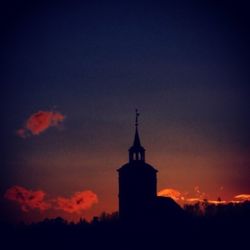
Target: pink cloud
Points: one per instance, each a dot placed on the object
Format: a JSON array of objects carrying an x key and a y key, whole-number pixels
[
  {"x": 30, "y": 200},
  {"x": 39, "y": 122},
  {"x": 27, "y": 199},
  {"x": 78, "y": 202}
]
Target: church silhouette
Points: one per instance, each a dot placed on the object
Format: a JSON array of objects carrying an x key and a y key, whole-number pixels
[
  {"x": 138, "y": 188},
  {"x": 146, "y": 221}
]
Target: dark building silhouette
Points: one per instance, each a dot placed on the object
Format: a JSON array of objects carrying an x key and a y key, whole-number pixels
[
  {"x": 137, "y": 182},
  {"x": 138, "y": 187}
]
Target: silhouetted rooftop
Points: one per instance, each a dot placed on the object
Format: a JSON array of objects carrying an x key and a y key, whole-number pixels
[{"x": 140, "y": 165}]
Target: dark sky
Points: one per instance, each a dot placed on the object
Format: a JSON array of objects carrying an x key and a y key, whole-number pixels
[{"x": 183, "y": 64}]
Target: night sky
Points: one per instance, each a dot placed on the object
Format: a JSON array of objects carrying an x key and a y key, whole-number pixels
[{"x": 85, "y": 66}]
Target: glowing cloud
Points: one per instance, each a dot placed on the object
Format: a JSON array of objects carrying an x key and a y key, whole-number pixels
[
  {"x": 242, "y": 197},
  {"x": 172, "y": 193},
  {"x": 193, "y": 200},
  {"x": 182, "y": 197},
  {"x": 78, "y": 202},
  {"x": 199, "y": 197},
  {"x": 27, "y": 199},
  {"x": 39, "y": 122}
]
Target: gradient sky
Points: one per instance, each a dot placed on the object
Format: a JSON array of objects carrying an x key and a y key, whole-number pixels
[{"x": 183, "y": 64}]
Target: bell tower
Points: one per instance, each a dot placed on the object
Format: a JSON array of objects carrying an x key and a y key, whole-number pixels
[{"x": 137, "y": 182}]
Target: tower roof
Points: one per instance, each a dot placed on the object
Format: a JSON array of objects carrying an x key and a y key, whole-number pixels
[
  {"x": 137, "y": 153},
  {"x": 137, "y": 143}
]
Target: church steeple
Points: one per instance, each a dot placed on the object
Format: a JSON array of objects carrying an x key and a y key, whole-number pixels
[
  {"x": 136, "y": 152},
  {"x": 137, "y": 183}
]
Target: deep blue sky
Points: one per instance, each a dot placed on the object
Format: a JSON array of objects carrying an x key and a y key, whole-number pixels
[{"x": 183, "y": 64}]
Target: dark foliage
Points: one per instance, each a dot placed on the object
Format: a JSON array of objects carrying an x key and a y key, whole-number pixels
[{"x": 201, "y": 226}]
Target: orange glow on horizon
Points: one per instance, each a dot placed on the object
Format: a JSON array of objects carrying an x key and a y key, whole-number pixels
[
  {"x": 85, "y": 204},
  {"x": 242, "y": 197},
  {"x": 182, "y": 198}
]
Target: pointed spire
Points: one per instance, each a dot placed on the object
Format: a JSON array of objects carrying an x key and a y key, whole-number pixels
[{"x": 136, "y": 152}]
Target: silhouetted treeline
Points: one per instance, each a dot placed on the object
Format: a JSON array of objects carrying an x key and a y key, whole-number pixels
[{"x": 200, "y": 226}]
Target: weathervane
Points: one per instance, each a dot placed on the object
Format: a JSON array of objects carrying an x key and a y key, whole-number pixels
[{"x": 136, "y": 117}]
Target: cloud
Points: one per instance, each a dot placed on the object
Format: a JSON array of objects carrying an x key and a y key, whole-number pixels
[
  {"x": 198, "y": 197},
  {"x": 78, "y": 202},
  {"x": 193, "y": 200},
  {"x": 242, "y": 197},
  {"x": 30, "y": 200},
  {"x": 39, "y": 122},
  {"x": 172, "y": 193},
  {"x": 27, "y": 199},
  {"x": 196, "y": 200},
  {"x": 183, "y": 197}
]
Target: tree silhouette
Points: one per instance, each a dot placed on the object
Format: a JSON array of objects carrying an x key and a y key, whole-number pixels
[{"x": 203, "y": 225}]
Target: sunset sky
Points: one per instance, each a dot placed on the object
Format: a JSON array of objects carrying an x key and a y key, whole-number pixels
[{"x": 72, "y": 75}]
